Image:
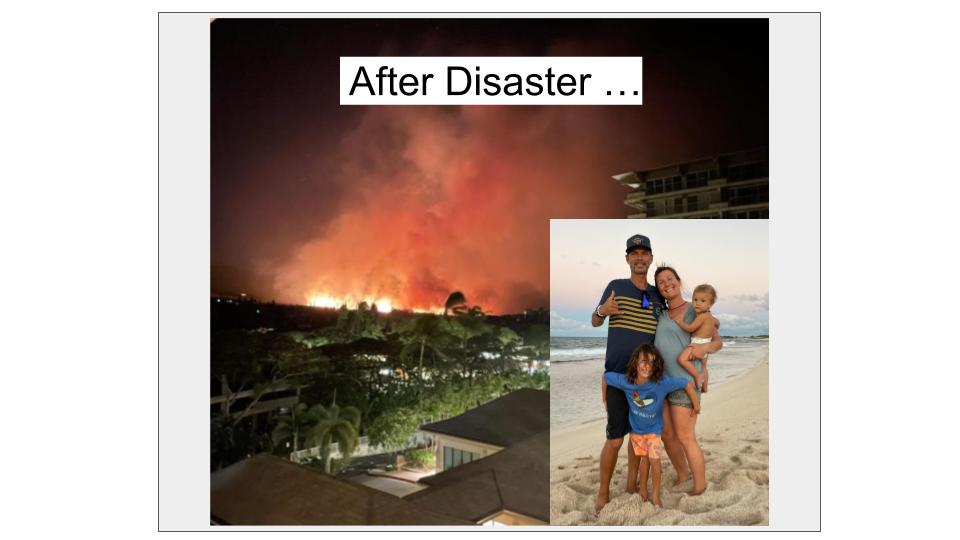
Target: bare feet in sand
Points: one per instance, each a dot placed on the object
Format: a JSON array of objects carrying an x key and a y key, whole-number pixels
[
  {"x": 643, "y": 495},
  {"x": 679, "y": 480},
  {"x": 601, "y": 502},
  {"x": 695, "y": 492},
  {"x": 656, "y": 500}
]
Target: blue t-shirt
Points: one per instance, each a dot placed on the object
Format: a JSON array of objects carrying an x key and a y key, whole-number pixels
[
  {"x": 646, "y": 400},
  {"x": 636, "y": 325}
]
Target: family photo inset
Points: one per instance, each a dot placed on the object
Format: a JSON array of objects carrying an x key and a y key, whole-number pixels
[{"x": 659, "y": 372}]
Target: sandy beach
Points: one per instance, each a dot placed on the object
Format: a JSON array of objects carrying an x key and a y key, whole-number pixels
[{"x": 733, "y": 432}]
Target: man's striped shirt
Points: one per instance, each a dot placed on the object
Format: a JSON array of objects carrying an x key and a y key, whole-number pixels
[{"x": 635, "y": 325}]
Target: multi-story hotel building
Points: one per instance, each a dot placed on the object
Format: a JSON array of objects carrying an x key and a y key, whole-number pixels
[{"x": 727, "y": 186}]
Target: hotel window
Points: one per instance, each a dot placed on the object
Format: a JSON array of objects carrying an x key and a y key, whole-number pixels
[
  {"x": 695, "y": 180},
  {"x": 692, "y": 203},
  {"x": 678, "y": 205},
  {"x": 453, "y": 457}
]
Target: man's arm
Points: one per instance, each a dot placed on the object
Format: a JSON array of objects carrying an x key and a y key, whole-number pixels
[{"x": 609, "y": 307}]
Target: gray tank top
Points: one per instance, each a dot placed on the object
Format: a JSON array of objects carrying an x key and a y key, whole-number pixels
[{"x": 671, "y": 340}]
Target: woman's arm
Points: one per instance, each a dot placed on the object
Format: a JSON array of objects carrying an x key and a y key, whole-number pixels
[
  {"x": 701, "y": 351},
  {"x": 715, "y": 343}
]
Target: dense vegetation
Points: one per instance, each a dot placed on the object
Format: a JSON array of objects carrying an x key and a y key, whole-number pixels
[{"x": 366, "y": 374}]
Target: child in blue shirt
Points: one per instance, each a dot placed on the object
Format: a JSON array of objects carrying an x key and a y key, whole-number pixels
[{"x": 646, "y": 389}]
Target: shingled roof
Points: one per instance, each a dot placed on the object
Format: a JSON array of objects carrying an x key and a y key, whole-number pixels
[
  {"x": 267, "y": 490},
  {"x": 516, "y": 479},
  {"x": 504, "y": 421}
]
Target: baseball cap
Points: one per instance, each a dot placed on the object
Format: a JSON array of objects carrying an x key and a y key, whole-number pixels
[{"x": 638, "y": 241}]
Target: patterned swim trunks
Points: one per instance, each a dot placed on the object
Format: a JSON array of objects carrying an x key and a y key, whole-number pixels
[{"x": 648, "y": 444}]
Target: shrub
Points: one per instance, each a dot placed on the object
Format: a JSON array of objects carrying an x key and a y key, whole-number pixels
[{"x": 421, "y": 459}]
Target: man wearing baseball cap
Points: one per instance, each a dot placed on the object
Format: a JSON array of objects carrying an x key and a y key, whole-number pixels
[{"x": 633, "y": 305}]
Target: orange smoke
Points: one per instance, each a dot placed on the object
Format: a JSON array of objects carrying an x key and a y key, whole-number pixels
[{"x": 442, "y": 199}]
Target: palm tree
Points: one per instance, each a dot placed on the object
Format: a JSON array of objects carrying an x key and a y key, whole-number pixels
[
  {"x": 463, "y": 328},
  {"x": 456, "y": 302},
  {"x": 292, "y": 426},
  {"x": 422, "y": 336},
  {"x": 537, "y": 342},
  {"x": 334, "y": 425},
  {"x": 509, "y": 341}
]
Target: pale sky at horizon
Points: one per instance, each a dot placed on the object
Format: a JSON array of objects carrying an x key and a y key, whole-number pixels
[{"x": 730, "y": 254}]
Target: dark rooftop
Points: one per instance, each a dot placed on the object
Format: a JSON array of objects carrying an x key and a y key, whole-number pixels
[
  {"x": 504, "y": 421},
  {"x": 516, "y": 479},
  {"x": 267, "y": 490}
]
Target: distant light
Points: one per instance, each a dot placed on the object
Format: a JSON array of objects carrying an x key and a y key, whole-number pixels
[{"x": 258, "y": 311}]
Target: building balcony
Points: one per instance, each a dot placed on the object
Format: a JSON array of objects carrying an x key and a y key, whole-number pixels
[
  {"x": 675, "y": 193},
  {"x": 738, "y": 202},
  {"x": 717, "y": 182},
  {"x": 749, "y": 181},
  {"x": 637, "y": 196},
  {"x": 699, "y": 214},
  {"x": 754, "y": 206}
]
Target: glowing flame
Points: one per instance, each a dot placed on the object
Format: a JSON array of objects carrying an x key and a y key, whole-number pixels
[
  {"x": 324, "y": 301},
  {"x": 383, "y": 305}
]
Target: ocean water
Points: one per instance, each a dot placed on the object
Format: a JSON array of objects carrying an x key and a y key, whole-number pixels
[{"x": 576, "y": 365}]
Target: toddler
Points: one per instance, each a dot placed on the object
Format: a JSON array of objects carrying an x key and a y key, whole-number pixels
[{"x": 701, "y": 330}]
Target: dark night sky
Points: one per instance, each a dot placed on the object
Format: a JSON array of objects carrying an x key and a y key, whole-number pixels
[{"x": 408, "y": 203}]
